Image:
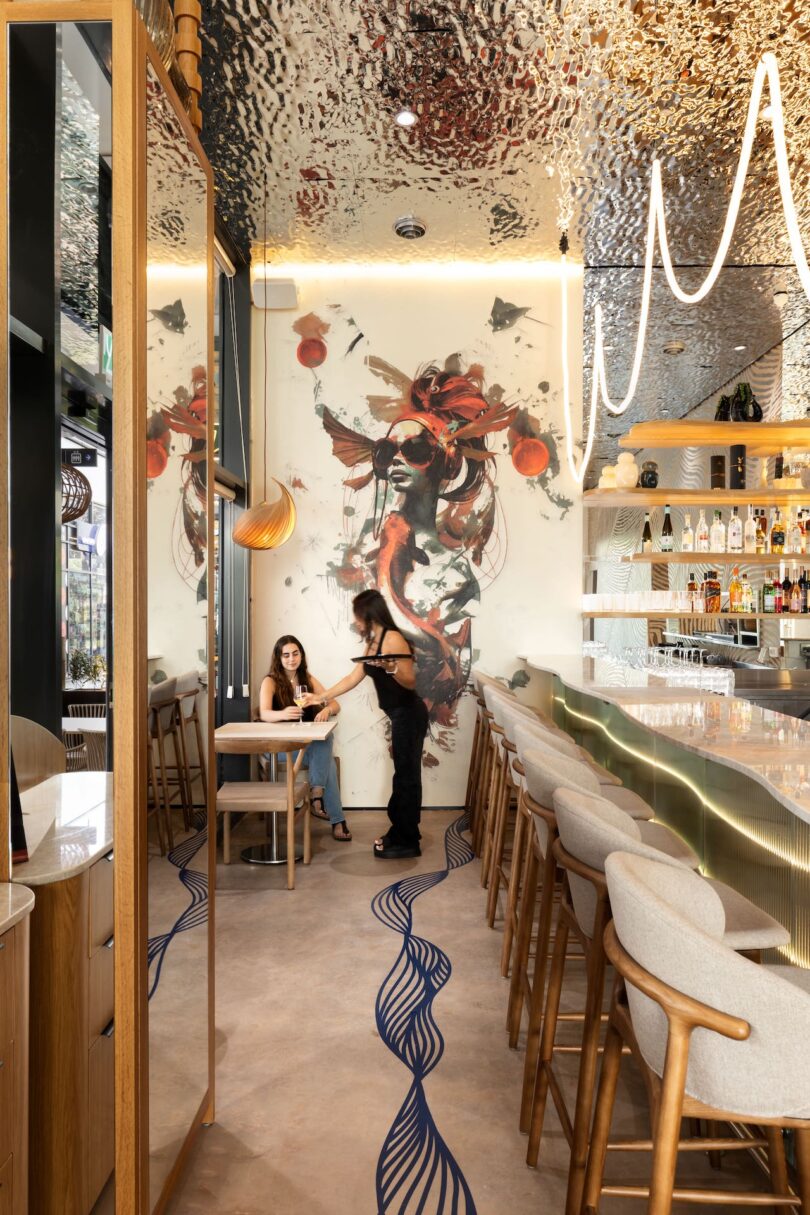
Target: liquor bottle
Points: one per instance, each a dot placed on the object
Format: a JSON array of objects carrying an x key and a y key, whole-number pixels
[
  {"x": 796, "y": 534},
  {"x": 735, "y": 591},
  {"x": 768, "y": 600},
  {"x": 762, "y": 535},
  {"x": 692, "y": 592},
  {"x": 711, "y": 592},
  {"x": 787, "y": 587},
  {"x": 750, "y": 532},
  {"x": 795, "y": 594},
  {"x": 777, "y": 595},
  {"x": 667, "y": 534},
  {"x": 646, "y": 535},
  {"x": 803, "y": 590},
  {"x": 702, "y": 534},
  {"x": 717, "y": 535},
  {"x": 747, "y": 595},
  {"x": 735, "y": 532},
  {"x": 778, "y": 533},
  {"x": 687, "y": 536}
]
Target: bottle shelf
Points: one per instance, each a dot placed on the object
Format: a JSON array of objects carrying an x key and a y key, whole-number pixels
[
  {"x": 760, "y": 438},
  {"x": 713, "y": 559},
  {"x": 674, "y": 614},
  {"x": 710, "y": 498}
]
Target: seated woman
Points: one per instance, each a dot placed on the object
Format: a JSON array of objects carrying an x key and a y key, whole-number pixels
[{"x": 288, "y": 670}]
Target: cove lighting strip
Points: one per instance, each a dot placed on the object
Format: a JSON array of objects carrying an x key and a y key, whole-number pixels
[
  {"x": 752, "y": 837},
  {"x": 458, "y": 271},
  {"x": 767, "y": 69}
]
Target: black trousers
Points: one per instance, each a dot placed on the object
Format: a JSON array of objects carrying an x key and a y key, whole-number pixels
[{"x": 408, "y": 730}]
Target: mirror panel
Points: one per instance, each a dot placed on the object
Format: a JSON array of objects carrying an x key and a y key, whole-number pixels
[{"x": 178, "y": 361}]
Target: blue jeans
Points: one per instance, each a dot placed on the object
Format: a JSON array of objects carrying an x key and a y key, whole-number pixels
[{"x": 323, "y": 775}]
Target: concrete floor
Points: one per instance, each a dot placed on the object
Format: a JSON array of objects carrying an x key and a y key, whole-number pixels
[{"x": 306, "y": 1088}]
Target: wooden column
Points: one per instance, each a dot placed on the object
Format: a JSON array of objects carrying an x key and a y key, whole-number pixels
[{"x": 187, "y": 18}]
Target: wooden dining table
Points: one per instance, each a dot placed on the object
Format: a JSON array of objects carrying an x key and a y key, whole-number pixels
[{"x": 274, "y": 738}]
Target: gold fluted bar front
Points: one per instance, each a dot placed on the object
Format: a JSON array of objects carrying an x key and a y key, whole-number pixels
[{"x": 268, "y": 525}]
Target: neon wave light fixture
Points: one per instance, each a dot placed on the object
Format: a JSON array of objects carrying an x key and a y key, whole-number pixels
[{"x": 767, "y": 70}]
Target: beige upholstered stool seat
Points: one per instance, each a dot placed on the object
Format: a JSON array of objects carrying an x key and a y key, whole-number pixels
[
  {"x": 666, "y": 841},
  {"x": 592, "y": 828},
  {"x": 628, "y": 800},
  {"x": 551, "y": 770}
]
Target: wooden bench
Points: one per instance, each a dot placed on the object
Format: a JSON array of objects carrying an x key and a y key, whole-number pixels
[{"x": 267, "y": 797}]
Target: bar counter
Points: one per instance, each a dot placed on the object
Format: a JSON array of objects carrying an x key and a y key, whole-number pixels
[{"x": 733, "y": 779}]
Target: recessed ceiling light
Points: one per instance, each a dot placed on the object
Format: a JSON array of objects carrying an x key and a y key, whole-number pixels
[
  {"x": 739, "y": 347},
  {"x": 405, "y": 118},
  {"x": 766, "y": 113},
  {"x": 674, "y": 347},
  {"x": 549, "y": 170}
]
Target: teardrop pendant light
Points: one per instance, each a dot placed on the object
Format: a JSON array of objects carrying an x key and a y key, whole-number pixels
[
  {"x": 267, "y": 525},
  {"x": 270, "y": 524}
]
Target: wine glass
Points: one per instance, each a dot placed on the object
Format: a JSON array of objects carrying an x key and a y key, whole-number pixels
[{"x": 300, "y": 693}]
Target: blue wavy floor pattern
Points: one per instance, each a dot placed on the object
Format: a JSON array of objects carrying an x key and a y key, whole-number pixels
[
  {"x": 417, "y": 1173},
  {"x": 192, "y": 916}
]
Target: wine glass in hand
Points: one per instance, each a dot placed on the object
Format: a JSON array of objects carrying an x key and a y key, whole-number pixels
[{"x": 300, "y": 696}]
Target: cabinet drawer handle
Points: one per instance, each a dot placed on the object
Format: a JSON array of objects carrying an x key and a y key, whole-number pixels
[
  {"x": 108, "y": 856},
  {"x": 108, "y": 944},
  {"x": 107, "y": 1031},
  {"x": 2, "y": 944}
]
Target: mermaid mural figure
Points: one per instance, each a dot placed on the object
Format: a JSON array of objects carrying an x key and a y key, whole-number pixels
[{"x": 434, "y": 515}]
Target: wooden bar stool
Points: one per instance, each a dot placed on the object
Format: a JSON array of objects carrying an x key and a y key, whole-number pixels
[
  {"x": 590, "y": 829},
  {"x": 667, "y": 944},
  {"x": 189, "y": 730},
  {"x": 164, "y": 729}
]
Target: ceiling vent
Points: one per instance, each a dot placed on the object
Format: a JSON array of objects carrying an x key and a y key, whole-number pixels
[{"x": 409, "y": 227}]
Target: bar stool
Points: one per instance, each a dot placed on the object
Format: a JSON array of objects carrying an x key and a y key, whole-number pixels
[
  {"x": 667, "y": 943},
  {"x": 164, "y": 728},
  {"x": 544, "y": 774},
  {"x": 187, "y": 695},
  {"x": 590, "y": 829}
]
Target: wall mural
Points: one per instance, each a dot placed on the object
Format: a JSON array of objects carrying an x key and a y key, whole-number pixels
[{"x": 424, "y": 455}]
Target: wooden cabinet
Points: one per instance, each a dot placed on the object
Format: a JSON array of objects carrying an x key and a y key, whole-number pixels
[
  {"x": 71, "y": 1073},
  {"x": 14, "y": 1068}
]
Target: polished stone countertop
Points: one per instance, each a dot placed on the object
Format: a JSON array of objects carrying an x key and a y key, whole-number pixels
[
  {"x": 16, "y": 902},
  {"x": 770, "y": 747},
  {"x": 68, "y": 821}
]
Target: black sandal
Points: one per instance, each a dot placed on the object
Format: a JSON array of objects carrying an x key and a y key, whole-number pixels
[
  {"x": 396, "y": 852},
  {"x": 318, "y": 813},
  {"x": 346, "y": 837}
]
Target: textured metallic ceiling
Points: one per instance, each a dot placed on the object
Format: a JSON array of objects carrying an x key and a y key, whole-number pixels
[{"x": 506, "y": 91}]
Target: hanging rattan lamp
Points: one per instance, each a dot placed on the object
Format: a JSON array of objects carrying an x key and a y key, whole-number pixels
[
  {"x": 77, "y": 493},
  {"x": 269, "y": 524}
]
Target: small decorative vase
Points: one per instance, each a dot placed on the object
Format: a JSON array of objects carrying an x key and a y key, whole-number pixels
[
  {"x": 718, "y": 472},
  {"x": 607, "y": 477},
  {"x": 723, "y": 411},
  {"x": 649, "y": 475},
  {"x": 744, "y": 405},
  {"x": 626, "y": 471}
]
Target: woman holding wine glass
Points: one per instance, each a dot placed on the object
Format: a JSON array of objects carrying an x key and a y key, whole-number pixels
[
  {"x": 388, "y": 661},
  {"x": 285, "y": 696}
]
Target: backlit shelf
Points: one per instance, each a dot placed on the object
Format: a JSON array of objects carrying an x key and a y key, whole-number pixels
[
  {"x": 712, "y": 559},
  {"x": 760, "y": 438},
  {"x": 709, "y": 498},
  {"x": 674, "y": 614}
]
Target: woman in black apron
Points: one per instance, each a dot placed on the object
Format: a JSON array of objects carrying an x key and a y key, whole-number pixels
[{"x": 388, "y": 661}]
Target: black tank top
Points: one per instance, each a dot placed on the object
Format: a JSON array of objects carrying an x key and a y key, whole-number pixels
[
  {"x": 391, "y": 695},
  {"x": 309, "y": 713}
]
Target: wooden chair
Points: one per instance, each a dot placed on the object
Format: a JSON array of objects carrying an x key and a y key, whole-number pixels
[
  {"x": 75, "y": 751},
  {"x": 269, "y": 797},
  {"x": 37, "y": 753},
  {"x": 677, "y": 976},
  {"x": 95, "y": 745}
]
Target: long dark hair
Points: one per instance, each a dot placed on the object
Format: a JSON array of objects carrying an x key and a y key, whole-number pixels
[
  {"x": 370, "y": 608},
  {"x": 280, "y": 677}
]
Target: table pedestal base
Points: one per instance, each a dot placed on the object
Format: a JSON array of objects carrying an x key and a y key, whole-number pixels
[{"x": 274, "y": 852}]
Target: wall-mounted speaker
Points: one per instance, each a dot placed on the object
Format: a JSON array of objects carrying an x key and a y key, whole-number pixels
[{"x": 275, "y": 294}]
